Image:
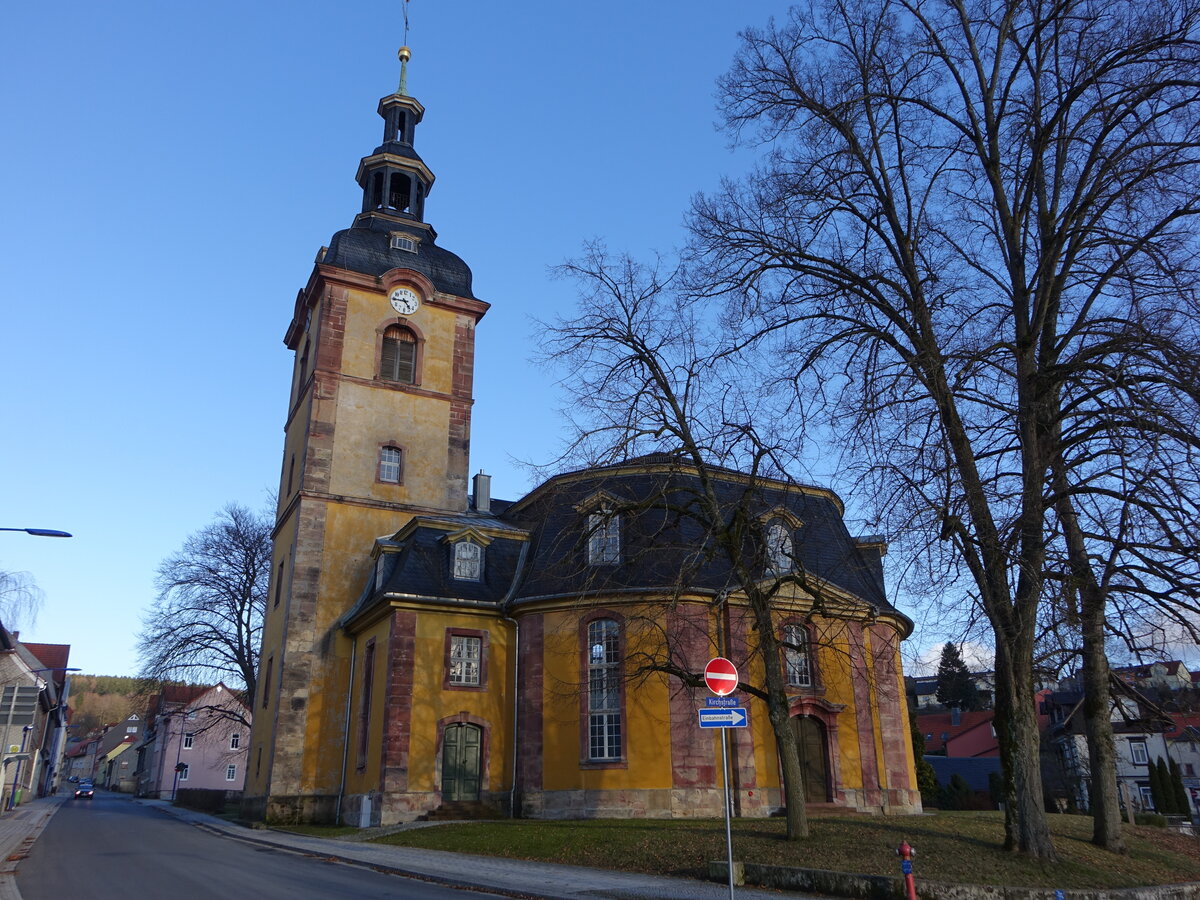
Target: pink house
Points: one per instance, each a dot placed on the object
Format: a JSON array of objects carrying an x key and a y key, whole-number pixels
[{"x": 198, "y": 739}]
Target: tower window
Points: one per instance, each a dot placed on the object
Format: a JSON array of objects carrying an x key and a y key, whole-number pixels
[
  {"x": 400, "y": 242},
  {"x": 391, "y": 464},
  {"x": 398, "y": 360},
  {"x": 377, "y": 190}
]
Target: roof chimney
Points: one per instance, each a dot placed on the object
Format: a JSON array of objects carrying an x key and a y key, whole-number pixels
[
  {"x": 482, "y": 486},
  {"x": 955, "y": 717}
]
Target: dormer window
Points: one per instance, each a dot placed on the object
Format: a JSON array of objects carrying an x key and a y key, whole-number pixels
[
  {"x": 779, "y": 547},
  {"x": 403, "y": 242},
  {"x": 468, "y": 561},
  {"x": 604, "y": 537}
]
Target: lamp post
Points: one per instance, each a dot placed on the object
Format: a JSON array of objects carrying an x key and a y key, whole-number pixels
[
  {"x": 28, "y": 727},
  {"x": 41, "y": 532}
]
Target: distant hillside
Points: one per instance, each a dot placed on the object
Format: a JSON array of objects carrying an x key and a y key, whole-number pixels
[{"x": 102, "y": 700}]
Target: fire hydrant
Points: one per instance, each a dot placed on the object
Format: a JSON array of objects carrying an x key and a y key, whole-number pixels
[{"x": 906, "y": 853}]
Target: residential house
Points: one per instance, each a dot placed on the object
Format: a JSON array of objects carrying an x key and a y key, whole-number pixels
[
  {"x": 31, "y": 717},
  {"x": 54, "y": 659},
  {"x": 1171, "y": 675},
  {"x": 116, "y": 766},
  {"x": 1141, "y": 735},
  {"x": 198, "y": 739}
]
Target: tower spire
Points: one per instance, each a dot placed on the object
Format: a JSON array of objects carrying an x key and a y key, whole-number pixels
[{"x": 405, "y": 55}]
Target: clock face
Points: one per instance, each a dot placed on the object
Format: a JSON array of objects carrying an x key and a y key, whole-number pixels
[{"x": 405, "y": 301}]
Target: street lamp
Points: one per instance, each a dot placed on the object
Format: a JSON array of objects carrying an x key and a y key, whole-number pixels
[{"x": 41, "y": 532}]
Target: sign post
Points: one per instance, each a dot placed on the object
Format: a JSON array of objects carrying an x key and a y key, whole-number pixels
[{"x": 721, "y": 676}]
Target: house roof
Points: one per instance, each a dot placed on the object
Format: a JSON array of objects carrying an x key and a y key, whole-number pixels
[
  {"x": 993, "y": 745},
  {"x": 52, "y": 656},
  {"x": 1144, "y": 672},
  {"x": 974, "y": 770},
  {"x": 176, "y": 694}
]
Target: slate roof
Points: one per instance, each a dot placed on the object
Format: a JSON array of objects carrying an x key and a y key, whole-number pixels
[
  {"x": 659, "y": 539},
  {"x": 366, "y": 248},
  {"x": 536, "y": 547}
]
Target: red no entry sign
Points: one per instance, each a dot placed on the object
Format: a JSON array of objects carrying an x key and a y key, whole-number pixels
[{"x": 721, "y": 676}]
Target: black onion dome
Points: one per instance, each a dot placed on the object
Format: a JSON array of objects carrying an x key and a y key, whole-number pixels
[{"x": 366, "y": 248}]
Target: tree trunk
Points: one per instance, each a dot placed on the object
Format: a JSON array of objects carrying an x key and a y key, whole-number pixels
[
  {"x": 1097, "y": 706},
  {"x": 1097, "y": 699},
  {"x": 1025, "y": 823},
  {"x": 786, "y": 740}
]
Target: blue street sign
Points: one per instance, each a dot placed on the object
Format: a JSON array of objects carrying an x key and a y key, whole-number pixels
[
  {"x": 721, "y": 701},
  {"x": 723, "y": 718}
]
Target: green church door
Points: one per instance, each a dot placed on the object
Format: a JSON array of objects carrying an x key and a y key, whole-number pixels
[
  {"x": 460, "y": 762},
  {"x": 810, "y": 732}
]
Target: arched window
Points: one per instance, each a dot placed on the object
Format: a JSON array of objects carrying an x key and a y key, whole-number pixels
[
  {"x": 604, "y": 538},
  {"x": 391, "y": 464},
  {"x": 398, "y": 358},
  {"x": 779, "y": 547},
  {"x": 468, "y": 561},
  {"x": 604, "y": 689},
  {"x": 399, "y": 191},
  {"x": 797, "y": 655}
]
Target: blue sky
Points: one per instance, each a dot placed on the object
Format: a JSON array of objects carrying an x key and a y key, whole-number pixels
[{"x": 169, "y": 172}]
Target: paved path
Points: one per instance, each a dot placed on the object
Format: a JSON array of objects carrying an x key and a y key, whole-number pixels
[
  {"x": 18, "y": 830},
  {"x": 520, "y": 878}
]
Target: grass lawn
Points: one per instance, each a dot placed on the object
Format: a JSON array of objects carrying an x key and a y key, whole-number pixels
[{"x": 961, "y": 847}]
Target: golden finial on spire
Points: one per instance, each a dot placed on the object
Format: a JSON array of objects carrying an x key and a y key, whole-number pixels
[{"x": 405, "y": 55}]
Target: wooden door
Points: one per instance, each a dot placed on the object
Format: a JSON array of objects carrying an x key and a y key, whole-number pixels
[
  {"x": 813, "y": 757},
  {"x": 461, "y": 747}
]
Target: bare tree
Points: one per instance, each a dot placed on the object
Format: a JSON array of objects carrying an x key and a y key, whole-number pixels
[
  {"x": 20, "y": 597},
  {"x": 972, "y": 241},
  {"x": 648, "y": 375},
  {"x": 206, "y": 624}
]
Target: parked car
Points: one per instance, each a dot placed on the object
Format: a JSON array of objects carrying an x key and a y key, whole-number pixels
[
  {"x": 85, "y": 790},
  {"x": 73, "y": 779}
]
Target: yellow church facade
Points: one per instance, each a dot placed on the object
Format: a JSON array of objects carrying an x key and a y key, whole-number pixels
[{"x": 428, "y": 646}]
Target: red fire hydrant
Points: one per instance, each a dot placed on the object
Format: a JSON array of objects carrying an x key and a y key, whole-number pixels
[{"x": 906, "y": 854}]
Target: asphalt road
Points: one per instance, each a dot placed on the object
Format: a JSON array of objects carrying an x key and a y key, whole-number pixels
[{"x": 110, "y": 848}]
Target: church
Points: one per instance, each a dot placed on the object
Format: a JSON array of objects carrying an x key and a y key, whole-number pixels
[{"x": 427, "y": 646}]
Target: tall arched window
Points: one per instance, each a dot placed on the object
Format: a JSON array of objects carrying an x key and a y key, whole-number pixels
[
  {"x": 604, "y": 689},
  {"x": 398, "y": 358},
  {"x": 797, "y": 655}
]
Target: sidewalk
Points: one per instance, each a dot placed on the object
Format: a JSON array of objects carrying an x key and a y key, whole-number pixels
[
  {"x": 18, "y": 830},
  {"x": 519, "y": 878}
]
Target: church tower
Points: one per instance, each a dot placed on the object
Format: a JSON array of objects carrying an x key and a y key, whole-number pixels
[{"x": 377, "y": 431}]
